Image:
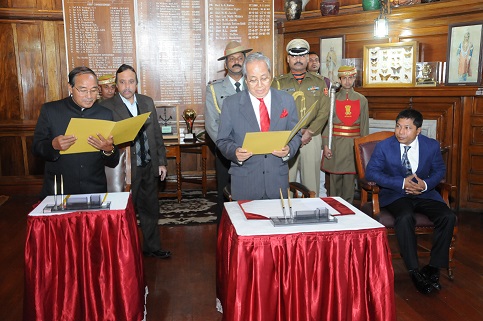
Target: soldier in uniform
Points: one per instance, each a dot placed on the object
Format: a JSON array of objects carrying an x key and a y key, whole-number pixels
[
  {"x": 350, "y": 120},
  {"x": 307, "y": 89},
  {"x": 216, "y": 92},
  {"x": 107, "y": 87}
]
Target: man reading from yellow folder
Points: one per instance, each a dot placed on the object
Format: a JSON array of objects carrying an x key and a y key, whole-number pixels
[
  {"x": 82, "y": 172},
  {"x": 259, "y": 109}
]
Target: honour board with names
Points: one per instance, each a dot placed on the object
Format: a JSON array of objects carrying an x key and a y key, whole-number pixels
[{"x": 173, "y": 45}]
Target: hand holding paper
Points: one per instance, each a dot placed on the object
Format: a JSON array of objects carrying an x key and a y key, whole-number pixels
[
  {"x": 63, "y": 142},
  {"x": 267, "y": 142},
  {"x": 101, "y": 143},
  {"x": 82, "y": 128}
]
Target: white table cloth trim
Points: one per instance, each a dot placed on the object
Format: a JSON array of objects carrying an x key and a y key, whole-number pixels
[
  {"x": 245, "y": 227},
  {"x": 118, "y": 202}
]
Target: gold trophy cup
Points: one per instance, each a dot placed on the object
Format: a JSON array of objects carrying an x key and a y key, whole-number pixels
[{"x": 189, "y": 116}]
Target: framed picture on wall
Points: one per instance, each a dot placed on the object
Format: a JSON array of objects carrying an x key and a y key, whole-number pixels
[
  {"x": 168, "y": 120},
  {"x": 463, "y": 59},
  {"x": 331, "y": 54}
]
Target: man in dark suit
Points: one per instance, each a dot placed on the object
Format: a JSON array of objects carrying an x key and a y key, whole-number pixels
[
  {"x": 261, "y": 108},
  {"x": 148, "y": 159},
  {"x": 408, "y": 166},
  {"x": 82, "y": 173}
]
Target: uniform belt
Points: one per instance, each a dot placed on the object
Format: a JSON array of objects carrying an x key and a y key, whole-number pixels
[{"x": 347, "y": 131}]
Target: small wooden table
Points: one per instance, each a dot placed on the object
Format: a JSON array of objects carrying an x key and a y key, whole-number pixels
[{"x": 174, "y": 149}]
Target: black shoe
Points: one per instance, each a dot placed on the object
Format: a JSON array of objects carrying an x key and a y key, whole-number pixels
[
  {"x": 422, "y": 285},
  {"x": 431, "y": 274},
  {"x": 160, "y": 254}
]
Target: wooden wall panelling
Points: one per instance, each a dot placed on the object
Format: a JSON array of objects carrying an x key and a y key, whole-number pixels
[
  {"x": 472, "y": 155},
  {"x": 29, "y": 45},
  {"x": 10, "y": 99}
]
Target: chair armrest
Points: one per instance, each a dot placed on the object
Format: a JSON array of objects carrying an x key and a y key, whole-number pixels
[
  {"x": 373, "y": 189},
  {"x": 297, "y": 187},
  {"x": 369, "y": 186},
  {"x": 445, "y": 190}
]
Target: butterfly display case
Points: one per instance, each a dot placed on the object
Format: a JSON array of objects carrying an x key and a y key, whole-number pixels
[{"x": 390, "y": 65}]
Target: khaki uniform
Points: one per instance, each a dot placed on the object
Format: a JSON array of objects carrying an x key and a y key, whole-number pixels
[
  {"x": 341, "y": 166},
  {"x": 312, "y": 90}
]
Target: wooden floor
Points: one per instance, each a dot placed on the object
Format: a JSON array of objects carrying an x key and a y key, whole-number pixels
[{"x": 183, "y": 287}]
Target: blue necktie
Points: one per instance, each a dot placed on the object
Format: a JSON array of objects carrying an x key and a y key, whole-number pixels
[
  {"x": 405, "y": 161},
  {"x": 237, "y": 85}
]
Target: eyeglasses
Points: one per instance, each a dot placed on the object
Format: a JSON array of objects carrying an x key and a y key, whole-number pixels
[
  {"x": 254, "y": 81},
  {"x": 85, "y": 92}
]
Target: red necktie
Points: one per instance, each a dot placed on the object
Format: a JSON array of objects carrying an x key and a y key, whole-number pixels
[{"x": 264, "y": 118}]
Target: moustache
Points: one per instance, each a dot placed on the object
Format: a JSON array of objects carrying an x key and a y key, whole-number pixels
[
  {"x": 237, "y": 65},
  {"x": 298, "y": 63}
]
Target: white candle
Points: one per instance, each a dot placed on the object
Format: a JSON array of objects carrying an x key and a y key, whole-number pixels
[
  {"x": 61, "y": 185},
  {"x": 55, "y": 184}
]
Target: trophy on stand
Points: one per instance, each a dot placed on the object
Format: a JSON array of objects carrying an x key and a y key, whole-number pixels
[
  {"x": 426, "y": 75},
  {"x": 189, "y": 116}
]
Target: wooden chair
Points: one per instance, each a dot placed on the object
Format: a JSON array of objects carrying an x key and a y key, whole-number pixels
[
  {"x": 298, "y": 190},
  {"x": 119, "y": 177},
  {"x": 364, "y": 146}
]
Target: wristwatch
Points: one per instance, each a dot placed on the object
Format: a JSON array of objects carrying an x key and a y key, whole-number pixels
[
  {"x": 286, "y": 158},
  {"x": 109, "y": 153}
]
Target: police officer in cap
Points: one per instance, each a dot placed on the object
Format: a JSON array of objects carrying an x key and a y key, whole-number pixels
[
  {"x": 307, "y": 89},
  {"x": 216, "y": 92}
]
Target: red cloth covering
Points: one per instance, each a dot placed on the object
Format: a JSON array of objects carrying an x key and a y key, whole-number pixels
[
  {"x": 338, "y": 206},
  {"x": 344, "y": 275},
  {"x": 84, "y": 266}
]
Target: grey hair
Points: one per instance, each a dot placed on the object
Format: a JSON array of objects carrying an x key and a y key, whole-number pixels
[{"x": 257, "y": 56}]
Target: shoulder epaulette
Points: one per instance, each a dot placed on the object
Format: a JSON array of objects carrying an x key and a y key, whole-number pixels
[{"x": 215, "y": 81}]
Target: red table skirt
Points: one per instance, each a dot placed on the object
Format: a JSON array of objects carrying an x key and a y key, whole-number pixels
[
  {"x": 84, "y": 266},
  {"x": 344, "y": 275}
]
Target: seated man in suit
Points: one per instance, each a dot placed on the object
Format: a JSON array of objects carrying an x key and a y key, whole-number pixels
[
  {"x": 259, "y": 109},
  {"x": 408, "y": 166}
]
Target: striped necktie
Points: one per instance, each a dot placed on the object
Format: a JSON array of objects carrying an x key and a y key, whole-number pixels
[{"x": 405, "y": 161}]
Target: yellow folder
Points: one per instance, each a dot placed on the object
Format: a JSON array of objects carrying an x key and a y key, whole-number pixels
[
  {"x": 122, "y": 131},
  {"x": 267, "y": 142}
]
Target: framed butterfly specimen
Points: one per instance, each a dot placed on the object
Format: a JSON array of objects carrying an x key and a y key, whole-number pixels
[{"x": 395, "y": 64}]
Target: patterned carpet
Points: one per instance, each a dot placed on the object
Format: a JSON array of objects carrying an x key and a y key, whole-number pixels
[{"x": 193, "y": 209}]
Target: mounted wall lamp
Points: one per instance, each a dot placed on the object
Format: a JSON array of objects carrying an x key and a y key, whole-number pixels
[{"x": 381, "y": 25}]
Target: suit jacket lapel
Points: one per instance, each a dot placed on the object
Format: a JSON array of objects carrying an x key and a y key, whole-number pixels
[
  {"x": 396, "y": 146},
  {"x": 275, "y": 111},
  {"x": 121, "y": 108},
  {"x": 246, "y": 109},
  {"x": 423, "y": 156}
]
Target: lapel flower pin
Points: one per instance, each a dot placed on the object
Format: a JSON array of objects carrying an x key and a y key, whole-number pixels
[{"x": 284, "y": 113}]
